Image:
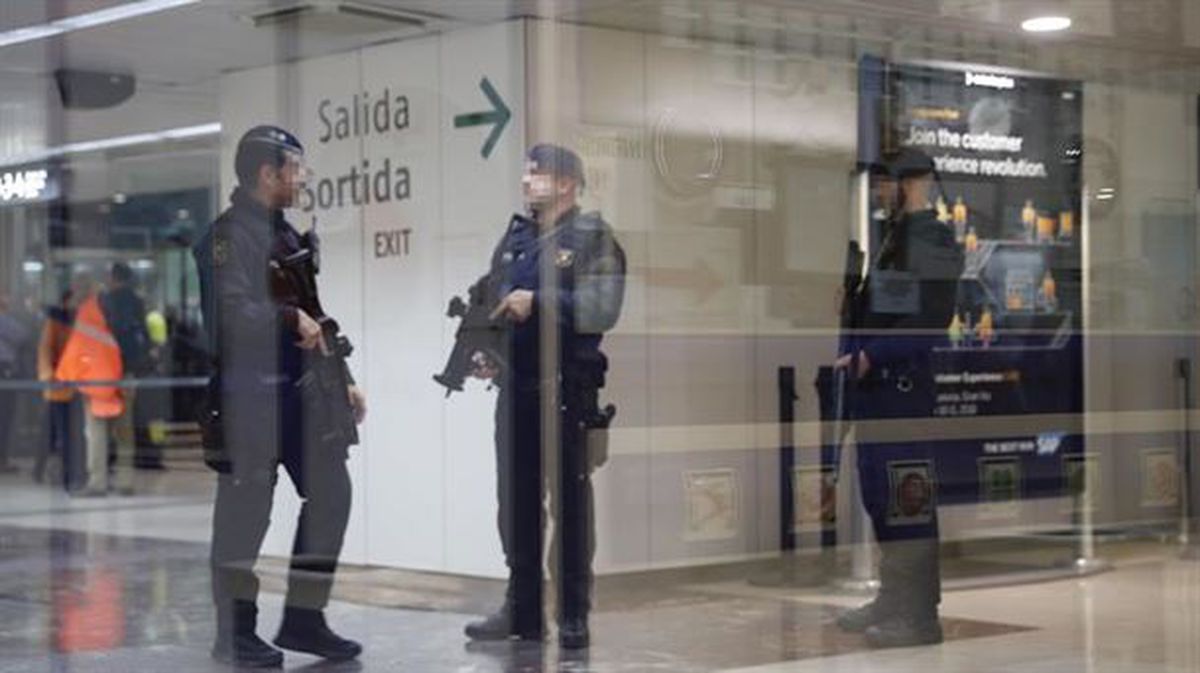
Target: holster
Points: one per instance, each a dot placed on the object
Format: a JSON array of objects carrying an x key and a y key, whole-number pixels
[
  {"x": 583, "y": 385},
  {"x": 595, "y": 429},
  {"x": 210, "y": 416}
]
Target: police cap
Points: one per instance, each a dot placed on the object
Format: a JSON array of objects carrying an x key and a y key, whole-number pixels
[
  {"x": 911, "y": 163},
  {"x": 555, "y": 159},
  {"x": 270, "y": 136},
  {"x": 263, "y": 145},
  {"x": 876, "y": 169}
]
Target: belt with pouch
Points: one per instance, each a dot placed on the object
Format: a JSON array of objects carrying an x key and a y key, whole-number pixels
[{"x": 902, "y": 379}]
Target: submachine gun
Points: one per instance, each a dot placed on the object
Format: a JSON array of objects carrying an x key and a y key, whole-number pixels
[
  {"x": 329, "y": 416},
  {"x": 477, "y": 333}
]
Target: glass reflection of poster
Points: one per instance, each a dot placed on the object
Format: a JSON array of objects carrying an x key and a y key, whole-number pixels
[{"x": 1007, "y": 148}]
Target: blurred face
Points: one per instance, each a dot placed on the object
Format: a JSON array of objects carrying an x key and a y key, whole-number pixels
[
  {"x": 538, "y": 188},
  {"x": 541, "y": 188},
  {"x": 885, "y": 191},
  {"x": 281, "y": 185},
  {"x": 916, "y": 192}
]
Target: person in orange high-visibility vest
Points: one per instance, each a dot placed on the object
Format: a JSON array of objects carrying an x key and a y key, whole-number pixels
[
  {"x": 92, "y": 354},
  {"x": 56, "y": 331}
]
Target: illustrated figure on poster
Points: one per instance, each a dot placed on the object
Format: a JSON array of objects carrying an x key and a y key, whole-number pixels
[
  {"x": 1028, "y": 219},
  {"x": 901, "y": 311},
  {"x": 281, "y": 393},
  {"x": 558, "y": 263}
]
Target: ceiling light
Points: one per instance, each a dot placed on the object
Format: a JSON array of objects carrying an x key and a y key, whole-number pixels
[
  {"x": 123, "y": 12},
  {"x": 1046, "y": 24},
  {"x": 339, "y": 15},
  {"x": 175, "y": 134},
  {"x": 29, "y": 34}
]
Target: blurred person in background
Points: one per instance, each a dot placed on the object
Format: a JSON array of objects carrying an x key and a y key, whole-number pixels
[
  {"x": 92, "y": 356},
  {"x": 125, "y": 313},
  {"x": 13, "y": 335},
  {"x": 56, "y": 330}
]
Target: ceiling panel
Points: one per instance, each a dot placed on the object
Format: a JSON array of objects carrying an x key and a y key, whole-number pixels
[{"x": 179, "y": 55}]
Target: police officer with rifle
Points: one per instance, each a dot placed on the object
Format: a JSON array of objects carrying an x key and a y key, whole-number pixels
[
  {"x": 896, "y": 316},
  {"x": 281, "y": 393},
  {"x": 557, "y": 271}
]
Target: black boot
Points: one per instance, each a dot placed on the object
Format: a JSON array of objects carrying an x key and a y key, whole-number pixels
[
  {"x": 305, "y": 630},
  {"x": 496, "y": 626},
  {"x": 888, "y": 602},
  {"x": 237, "y": 644},
  {"x": 573, "y": 633},
  {"x": 503, "y": 624},
  {"x": 914, "y": 575},
  {"x": 864, "y": 616},
  {"x": 905, "y": 631}
]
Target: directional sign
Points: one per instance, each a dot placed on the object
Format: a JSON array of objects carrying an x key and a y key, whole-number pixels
[{"x": 498, "y": 116}]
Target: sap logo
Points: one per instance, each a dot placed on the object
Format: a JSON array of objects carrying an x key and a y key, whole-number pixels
[
  {"x": 991, "y": 81},
  {"x": 23, "y": 185},
  {"x": 1049, "y": 443}
]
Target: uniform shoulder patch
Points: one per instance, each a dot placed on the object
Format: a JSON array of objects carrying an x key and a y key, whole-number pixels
[{"x": 220, "y": 250}]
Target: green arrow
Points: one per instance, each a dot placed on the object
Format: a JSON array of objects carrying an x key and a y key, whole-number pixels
[{"x": 499, "y": 116}]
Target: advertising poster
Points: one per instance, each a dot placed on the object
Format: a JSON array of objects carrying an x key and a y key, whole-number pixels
[{"x": 1007, "y": 147}]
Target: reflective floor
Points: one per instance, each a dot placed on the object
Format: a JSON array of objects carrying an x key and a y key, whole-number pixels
[{"x": 80, "y": 591}]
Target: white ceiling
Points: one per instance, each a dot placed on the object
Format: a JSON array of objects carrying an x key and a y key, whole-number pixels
[
  {"x": 178, "y": 56},
  {"x": 192, "y": 45}
]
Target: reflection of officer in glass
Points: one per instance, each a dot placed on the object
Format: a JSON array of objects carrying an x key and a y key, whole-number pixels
[
  {"x": 259, "y": 345},
  {"x": 901, "y": 311},
  {"x": 580, "y": 250}
]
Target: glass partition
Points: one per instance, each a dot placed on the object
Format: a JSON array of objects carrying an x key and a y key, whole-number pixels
[{"x": 608, "y": 335}]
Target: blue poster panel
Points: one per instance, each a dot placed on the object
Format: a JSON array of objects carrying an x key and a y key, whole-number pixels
[{"x": 1008, "y": 153}]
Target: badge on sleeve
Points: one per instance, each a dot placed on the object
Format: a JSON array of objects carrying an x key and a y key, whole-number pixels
[
  {"x": 911, "y": 490},
  {"x": 220, "y": 251},
  {"x": 565, "y": 258}
]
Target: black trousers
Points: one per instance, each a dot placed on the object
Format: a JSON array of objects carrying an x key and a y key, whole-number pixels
[
  {"x": 60, "y": 424},
  {"x": 898, "y": 482},
  {"x": 519, "y": 491},
  {"x": 244, "y": 497}
]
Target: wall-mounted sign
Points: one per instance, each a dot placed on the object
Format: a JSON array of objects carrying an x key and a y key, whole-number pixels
[
  {"x": 1007, "y": 148},
  {"x": 27, "y": 185}
]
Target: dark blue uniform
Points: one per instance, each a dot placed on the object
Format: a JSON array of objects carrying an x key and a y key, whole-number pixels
[
  {"x": 590, "y": 269},
  {"x": 904, "y": 307},
  {"x": 253, "y": 338}
]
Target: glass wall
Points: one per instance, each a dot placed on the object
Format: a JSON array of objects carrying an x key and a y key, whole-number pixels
[{"x": 605, "y": 335}]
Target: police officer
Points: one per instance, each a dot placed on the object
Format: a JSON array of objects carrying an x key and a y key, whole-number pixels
[
  {"x": 563, "y": 265},
  {"x": 260, "y": 346},
  {"x": 902, "y": 309}
]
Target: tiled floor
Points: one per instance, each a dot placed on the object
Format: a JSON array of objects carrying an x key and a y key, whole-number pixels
[{"x": 121, "y": 585}]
